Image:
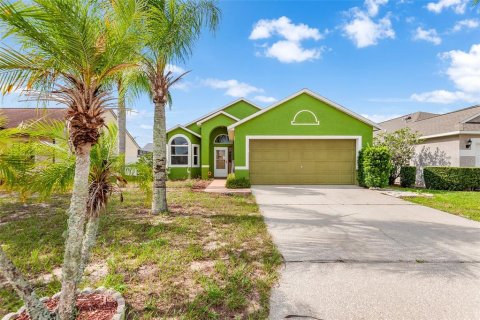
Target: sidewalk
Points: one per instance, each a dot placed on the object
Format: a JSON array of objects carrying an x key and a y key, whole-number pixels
[{"x": 218, "y": 186}]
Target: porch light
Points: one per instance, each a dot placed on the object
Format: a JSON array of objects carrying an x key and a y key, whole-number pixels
[{"x": 469, "y": 143}]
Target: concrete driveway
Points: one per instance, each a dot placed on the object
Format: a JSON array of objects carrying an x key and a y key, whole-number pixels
[{"x": 352, "y": 253}]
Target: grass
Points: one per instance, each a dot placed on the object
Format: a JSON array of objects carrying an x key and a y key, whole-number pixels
[
  {"x": 209, "y": 258},
  {"x": 461, "y": 203}
]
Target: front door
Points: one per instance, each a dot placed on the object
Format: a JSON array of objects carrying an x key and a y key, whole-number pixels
[{"x": 221, "y": 162}]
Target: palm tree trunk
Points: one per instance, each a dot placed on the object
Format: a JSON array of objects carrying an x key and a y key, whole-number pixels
[
  {"x": 122, "y": 120},
  {"x": 35, "y": 308},
  {"x": 75, "y": 233},
  {"x": 91, "y": 232},
  {"x": 159, "y": 201}
]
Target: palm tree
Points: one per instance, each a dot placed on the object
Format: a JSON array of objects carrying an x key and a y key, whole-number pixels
[
  {"x": 67, "y": 52},
  {"x": 55, "y": 172},
  {"x": 173, "y": 27}
]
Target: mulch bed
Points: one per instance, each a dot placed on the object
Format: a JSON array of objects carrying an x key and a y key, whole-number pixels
[{"x": 90, "y": 307}]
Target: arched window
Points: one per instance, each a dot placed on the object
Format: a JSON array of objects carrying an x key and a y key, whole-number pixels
[
  {"x": 222, "y": 138},
  {"x": 179, "y": 151}
]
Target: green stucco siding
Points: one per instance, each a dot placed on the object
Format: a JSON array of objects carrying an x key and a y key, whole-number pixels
[
  {"x": 194, "y": 127},
  {"x": 241, "y": 109},
  {"x": 210, "y": 129},
  {"x": 278, "y": 122},
  {"x": 178, "y": 173}
]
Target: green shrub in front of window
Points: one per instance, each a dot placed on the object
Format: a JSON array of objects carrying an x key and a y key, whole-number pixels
[
  {"x": 237, "y": 183},
  {"x": 408, "y": 175},
  {"x": 377, "y": 166},
  {"x": 452, "y": 178}
]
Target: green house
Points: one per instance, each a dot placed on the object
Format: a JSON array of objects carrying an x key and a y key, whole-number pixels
[{"x": 303, "y": 139}]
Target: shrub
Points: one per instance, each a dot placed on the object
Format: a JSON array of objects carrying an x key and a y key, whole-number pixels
[
  {"x": 451, "y": 178},
  {"x": 237, "y": 183},
  {"x": 377, "y": 166},
  {"x": 361, "y": 170},
  {"x": 408, "y": 176}
]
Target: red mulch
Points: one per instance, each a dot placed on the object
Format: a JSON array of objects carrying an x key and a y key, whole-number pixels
[{"x": 90, "y": 307}]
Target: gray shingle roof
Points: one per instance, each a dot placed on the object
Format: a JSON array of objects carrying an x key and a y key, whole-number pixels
[{"x": 431, "y": 124}]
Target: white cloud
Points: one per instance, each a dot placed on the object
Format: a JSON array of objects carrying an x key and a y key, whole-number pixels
[
  {"x": 234, "y": 88},
  {"x": 174, "y": 69},
  {"x": 284, "y": 28},
  {"x": 464, "y": 68},
  {"x": 380, "y": 117},
  {"x": 429, "y": 35},
  {"x": 289, "y": 49},
  {"x": 458, "y": 6},
  {"x": 364, "y": 32},
  {"x": 146, "y": 126},
  {"x": 466, "y": 24},
  {"x": 464, "y": 72},
  {"x": 373, "y": 6},
  {"x": 265, "y": 99},
  {"x": 443, "y": 96}
]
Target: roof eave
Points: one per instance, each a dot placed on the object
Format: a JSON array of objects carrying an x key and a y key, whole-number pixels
[{"x": 313, "y": 94}]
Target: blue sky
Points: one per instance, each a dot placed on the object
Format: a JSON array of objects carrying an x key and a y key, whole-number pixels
[{"x": 379, "y": 58}]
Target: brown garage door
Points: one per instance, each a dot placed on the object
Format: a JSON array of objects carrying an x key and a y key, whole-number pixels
[{"x": 302, "y": 161}]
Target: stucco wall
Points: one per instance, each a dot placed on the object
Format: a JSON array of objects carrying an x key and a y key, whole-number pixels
[
  {"x": 470, "y": 157},
  {"x": 278, "y": 122},
  {"x": 443, "y": 151},
  {"x": 185, "y": 172},
  {"x": 131, "y": 149}
]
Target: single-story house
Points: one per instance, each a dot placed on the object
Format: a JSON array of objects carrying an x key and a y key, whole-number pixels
[
  {"x": 302, "y": 139},
  {"x": 449, "y": 139},
  {"x": 17, "y": 116}
]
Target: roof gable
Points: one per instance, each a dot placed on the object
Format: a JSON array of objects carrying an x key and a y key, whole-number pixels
[
  {"x": 185, "y": 129},
  {"x": 314, "y": 95},
  {"x": 223, "y": 108},
  {"x": 219, "y": 113}
]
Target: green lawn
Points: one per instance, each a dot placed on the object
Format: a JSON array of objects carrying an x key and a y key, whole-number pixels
[
  {"x": 210, "y": 258},
  {"x": 462, "y": 203}
]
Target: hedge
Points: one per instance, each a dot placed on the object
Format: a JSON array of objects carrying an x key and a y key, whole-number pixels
[
  {"x": 361, "y": 170},
  {"x": 451, "y": 178},
  {"x": 237, "y": 183},
  {"x": 408, "y": 176},
  {"x": 377, "y": 166}
]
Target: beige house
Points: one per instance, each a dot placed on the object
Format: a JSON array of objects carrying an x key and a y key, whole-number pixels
[
  {"x": 450, "y": 139},
  {"x": 16, "y": 116}
]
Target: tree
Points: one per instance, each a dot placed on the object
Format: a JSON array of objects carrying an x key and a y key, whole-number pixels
[
  {"x": 55, "y": 172},
  {"x": 173, "y": 26},
  {"x": 401, "y": 146},
  {"x": 68, "y": 51}
]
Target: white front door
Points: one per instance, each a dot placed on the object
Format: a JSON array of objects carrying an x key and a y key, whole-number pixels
[{"x": 221, "y": 162}]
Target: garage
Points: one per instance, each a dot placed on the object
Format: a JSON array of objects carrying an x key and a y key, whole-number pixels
[{"x": 308, "y": 161}]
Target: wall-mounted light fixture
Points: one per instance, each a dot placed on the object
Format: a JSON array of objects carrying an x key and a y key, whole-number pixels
[{"x": 468, "y": 144}]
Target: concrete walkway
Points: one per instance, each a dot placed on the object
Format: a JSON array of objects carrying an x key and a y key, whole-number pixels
[
  {"x": 353, "y": 253},
  {"x": 218, "y": 186}
]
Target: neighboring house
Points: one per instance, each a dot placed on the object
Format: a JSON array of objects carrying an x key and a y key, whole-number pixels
[
  {"x": 450, "y": 139},
  {"x": 17, "y": 116},
  {"x": 303, "y": 139},
  {"x": 148, "y": 148}
]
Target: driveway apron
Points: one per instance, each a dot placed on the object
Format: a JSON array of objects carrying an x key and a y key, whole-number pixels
[{"x": 353, "y": 253}]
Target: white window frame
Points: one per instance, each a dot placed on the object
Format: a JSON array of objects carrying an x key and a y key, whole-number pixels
[
  {"x": 188, "y": 155},
  {"x": 198, "y": 155},
  {"x": 222, "y": 134}
]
